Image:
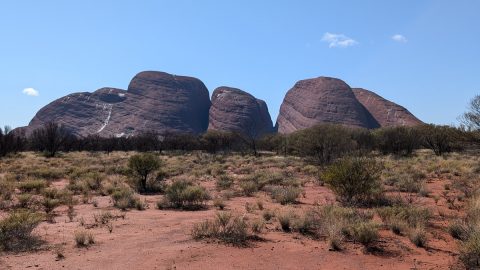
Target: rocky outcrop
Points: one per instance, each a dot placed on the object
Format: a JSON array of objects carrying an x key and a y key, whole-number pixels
[
  {"x": 237, "y": 111},
  {"x": 166, "y": 103},
  {"x": 322, "y": 100},
  {"x": 170, "y": 103},
  {"x": 154, "y": 101},
  {"x": 385, "y": 112}
]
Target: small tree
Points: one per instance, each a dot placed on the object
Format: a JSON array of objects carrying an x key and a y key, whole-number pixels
[
  {"x": 214, "y": 141},
  {"x": 142, "y": 166},
  {"x": 440, "y": 139},
  {"x": 398, "y": 140},
  {"x": 10, "y": 142},
  {"x": 323, "y": 142},
  {"x": 471, "y": 118},
  {"x": 50, "y": 138},
  {"x": 354, "y": 179}
]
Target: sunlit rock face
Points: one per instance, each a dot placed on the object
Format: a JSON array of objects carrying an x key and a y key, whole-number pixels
[
  {"x": 319, "y": 101},
  {"x": 385, "y": 112},
  {"x": 155, "y": 101}
]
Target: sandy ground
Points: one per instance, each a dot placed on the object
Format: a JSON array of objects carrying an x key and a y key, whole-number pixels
[{"x": 160, "y": 239}]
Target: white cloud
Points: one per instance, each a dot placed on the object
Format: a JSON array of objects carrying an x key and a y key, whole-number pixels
[
  {"x": 399, "y": 38},
  {"x": 338, "y": 40},
  {"x": 30, "y": 92}
]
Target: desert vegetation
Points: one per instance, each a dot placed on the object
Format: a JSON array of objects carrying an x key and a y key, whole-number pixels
[{"x": 388, "y": 191}]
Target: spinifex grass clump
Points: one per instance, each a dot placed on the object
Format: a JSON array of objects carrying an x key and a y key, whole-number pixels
[
  {"x": 226, "y": 228},
  {"x": 16, "y": 230},
  {"x": 184, "y": 194}
]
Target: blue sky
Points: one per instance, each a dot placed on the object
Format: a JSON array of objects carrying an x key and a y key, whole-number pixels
[{"x": 58, "y": 47}]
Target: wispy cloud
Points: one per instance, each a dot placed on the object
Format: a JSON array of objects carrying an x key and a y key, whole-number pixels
[
  {"x": 30, "y": 92},
  {"x": 338, "y": 40},
  {"x": 399, "y": 38}
]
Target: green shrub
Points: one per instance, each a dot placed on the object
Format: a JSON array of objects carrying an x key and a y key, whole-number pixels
[
  {"x": 7, "y": 189},
  {"x": 354, "y": 179},
  {"x": 397, "y": 140},
  {"x": 94, "y": 181},
  {"x": 364, "y": 232},
  {"x": 470, "y": 251},
  {"x": 257, "y": 226},
  {"x": 185, "y": 194},
  {"x": 412, "y": 216},
  {"x": 418, "y": 236},
  {"x": 124, "y": 198},
  {"x": 46, "y": 173},
  {"x": 16, "y": 229},
  {"x": 142, "y": 166},
  {"x": 335, "y": 223},
  {"x": 286, "y": 220},
  {"x": 249, "y": 187},
  {"x": 32, "y": 186},
  {"x": 440, "y": 139},
  {"x": 285, "y": 195},
  {"x": 25, "y": 200},
  {"x": 224, "y": 182},
  {"x": 77, "y": 186},
  {"x": 324, "y": 142}
]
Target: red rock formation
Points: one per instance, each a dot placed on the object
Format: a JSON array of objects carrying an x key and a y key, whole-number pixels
[
  {"x": 154, "y": 101},
  {"x": 235, "y": 110},
  {"x": 385, "y": 112},
  {"x": 321, "y": 100}
]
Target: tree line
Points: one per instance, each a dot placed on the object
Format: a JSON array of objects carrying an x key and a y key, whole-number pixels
[{"x": 323, "y": 143}]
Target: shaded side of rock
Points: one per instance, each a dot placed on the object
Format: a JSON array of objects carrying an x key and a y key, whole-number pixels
[{"x": 170, "y": 103}]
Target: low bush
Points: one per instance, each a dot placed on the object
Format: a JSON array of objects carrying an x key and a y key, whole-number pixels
[
  {"x": 285, "y": 195},
  {"x": 124, "y": 198},
  {"x": 365, "y": 233},
  {"x": 16, "y": 230},
  {"x": 470, "y": 251},
  {"x": 257, "y": 226},
  {"x": 286, "y": 220},
  {"x": 142, "y": 166},
  {"x": 336, "y": 223},
  {"x": 459, "y": 230},
  {"x": 224, "y": 182},
  {"x": 249, "y": 187},
  {"x": 47, "y": 173},
  {"x": 225, "y": 228},
  {"x": 219, "y": 203},
  {"x": 84, "y": 238},
  {"x": 7, "y": 189},
  {"x": 418, "y": 236},
  {"x": 355, "y": 180},
  {"x": 411, "y": 216},
  {"x": 184, "y": 194},
  {"x": 268, "y": 214},
  {"x": 30, "y": 186}
]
